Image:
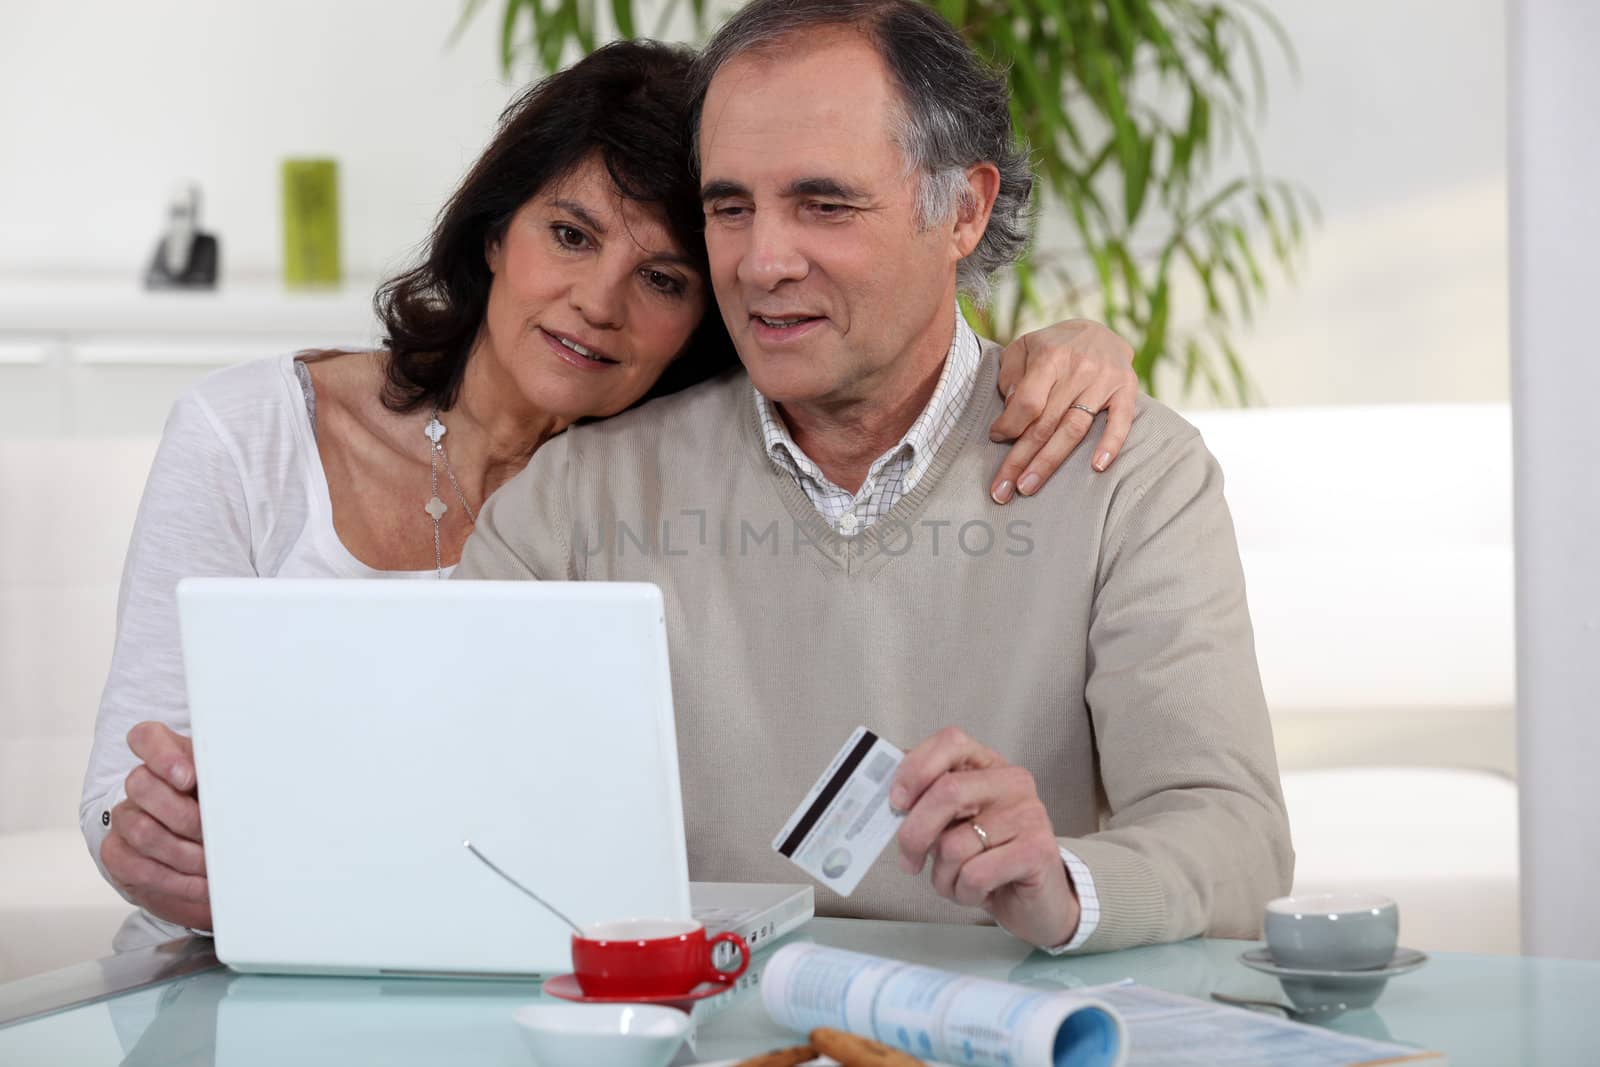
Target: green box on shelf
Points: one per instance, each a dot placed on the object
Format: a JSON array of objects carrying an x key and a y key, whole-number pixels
[{"x": 311, "y": 222}]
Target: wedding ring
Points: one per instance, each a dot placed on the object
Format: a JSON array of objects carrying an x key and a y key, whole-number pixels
[
  {"x": 1085, "y": 408},
  {"x": 983, "y": 835}
]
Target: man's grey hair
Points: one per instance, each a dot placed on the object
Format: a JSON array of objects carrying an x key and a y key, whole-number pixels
[{"x": 955, "y": 110}]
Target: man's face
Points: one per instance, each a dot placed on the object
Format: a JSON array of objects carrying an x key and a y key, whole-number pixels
[{"x": 824, "y": 277}]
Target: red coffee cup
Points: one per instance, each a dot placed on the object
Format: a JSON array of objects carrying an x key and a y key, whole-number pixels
[{"x": 650, "y": 957}]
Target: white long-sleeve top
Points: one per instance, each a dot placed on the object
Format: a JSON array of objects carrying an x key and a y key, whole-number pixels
[{"x": 237, "y": 489}]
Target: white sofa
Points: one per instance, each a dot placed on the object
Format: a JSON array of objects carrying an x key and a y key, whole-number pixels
[
  {"x": 1377, "y": 552},
  {"x": 1376, "y": 544},
  {"x": 69, "y": 507}
]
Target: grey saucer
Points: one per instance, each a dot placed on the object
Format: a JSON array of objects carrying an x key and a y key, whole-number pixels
[
  {"x": 1404, "y": 961},
  {"x": 1328, "y": 993}
]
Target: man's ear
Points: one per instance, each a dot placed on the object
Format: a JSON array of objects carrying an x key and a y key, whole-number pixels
[{"x": 977, "y": 203}]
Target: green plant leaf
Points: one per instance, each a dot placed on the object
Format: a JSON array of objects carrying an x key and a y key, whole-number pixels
[
  {"x": 1102, "y": 267},
  {"x": 1027, "y": 297},
  {"x": 1154, "y": 343},
  {"x": 978, "y": 318},
  {"x": 1136, "y": 179},
  {"x": 584, "y": 16},
  {"x": 549, "y": 34},
  {"x": 1236, "y": 371},
  {"x": 1276, "y": 234},
  {"x": 1025, "y": 80},
  {"x": 1241, "y": 288},
  {"x": 1202, "y": 269},
  {"x": 1193, "y": 356},
  {"x": 541, "y": 29},
  {"x": 1132, "y": 279},
  {"x": 1130, "y": 149},
  {"x": 1122, "y": 32},
  {"x": 622, "y": 15},
  {"x": 1241, "y": 241},
  {"x": 1198, "y": 127},
  {"x": 508, "y": 35}
]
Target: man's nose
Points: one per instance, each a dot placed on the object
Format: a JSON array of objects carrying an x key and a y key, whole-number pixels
[{"x": 773, "y": 257}]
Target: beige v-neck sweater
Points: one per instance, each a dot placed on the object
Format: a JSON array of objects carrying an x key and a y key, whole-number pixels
[{"x": 1096, "y": 634}]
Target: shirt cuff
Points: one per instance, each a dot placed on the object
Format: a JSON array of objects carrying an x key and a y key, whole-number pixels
[
  {"x": 97, "y": 826},
  {"x": 1088, "y": 902}
]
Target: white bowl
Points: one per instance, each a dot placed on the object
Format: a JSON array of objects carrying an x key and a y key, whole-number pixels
[{"x": 602, "y": 1035}]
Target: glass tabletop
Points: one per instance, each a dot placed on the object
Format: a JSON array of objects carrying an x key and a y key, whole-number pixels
[{"x": 1495, "y": 1010}]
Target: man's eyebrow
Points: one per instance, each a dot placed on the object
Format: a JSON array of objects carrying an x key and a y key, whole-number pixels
[
  {"x": 720, "y": 189},
  {"x": 583, "y": 215},
  {"x": 832, "y": 188}
]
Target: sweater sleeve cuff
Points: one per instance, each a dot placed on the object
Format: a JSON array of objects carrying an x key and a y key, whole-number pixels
[{"x": 1088, "y": 902}]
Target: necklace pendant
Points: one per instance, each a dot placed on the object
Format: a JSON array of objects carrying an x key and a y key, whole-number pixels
[
  {"x": 435, "y": 429},
  {"x": 436, "y": 508}
]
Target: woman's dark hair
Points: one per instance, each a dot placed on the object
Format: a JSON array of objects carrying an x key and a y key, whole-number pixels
[{"x": 626, "y": 103}]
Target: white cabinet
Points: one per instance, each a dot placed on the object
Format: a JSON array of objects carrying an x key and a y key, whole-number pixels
[{"x": 85, "y": 357}]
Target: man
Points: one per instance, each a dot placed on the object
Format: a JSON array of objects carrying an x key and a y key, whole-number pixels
[{"x": 1093, "y": 765}]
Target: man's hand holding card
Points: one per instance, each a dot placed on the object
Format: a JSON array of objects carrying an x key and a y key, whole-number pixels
[
  {"x": 980, "y": 819},
  {"x": 954, "y": 801}
]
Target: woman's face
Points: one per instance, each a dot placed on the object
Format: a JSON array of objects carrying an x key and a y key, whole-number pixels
[{"x": 592, "y": 298}]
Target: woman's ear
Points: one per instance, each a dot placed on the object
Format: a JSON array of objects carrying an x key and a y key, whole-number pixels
[{"x": 491, "y": 254}]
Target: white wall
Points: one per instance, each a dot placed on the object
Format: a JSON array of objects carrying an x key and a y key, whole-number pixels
[
  {"x": 1555, "y": 226},
  {"x": 104, "y": 103},
  {"x": 1397, "y": 124}
]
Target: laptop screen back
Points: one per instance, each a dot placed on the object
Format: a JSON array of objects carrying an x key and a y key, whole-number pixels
[{"x": 349, "y": 735}]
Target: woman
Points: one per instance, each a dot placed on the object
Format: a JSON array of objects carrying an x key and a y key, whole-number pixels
[{"x": 565, "y": 280}]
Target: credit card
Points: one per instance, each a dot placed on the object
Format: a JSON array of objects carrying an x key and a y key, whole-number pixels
[{"x": 845, "y": 822}]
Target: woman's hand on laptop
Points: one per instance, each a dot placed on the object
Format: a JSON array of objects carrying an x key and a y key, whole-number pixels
[
  {"x": 154, "y": 851},
  {"x": 980, "y": 820}
]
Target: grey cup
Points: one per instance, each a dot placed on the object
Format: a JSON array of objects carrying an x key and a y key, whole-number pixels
[{"x": 1333, "y": 931}]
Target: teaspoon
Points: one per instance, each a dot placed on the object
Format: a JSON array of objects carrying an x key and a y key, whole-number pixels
[{"x": 543, "y": 903}]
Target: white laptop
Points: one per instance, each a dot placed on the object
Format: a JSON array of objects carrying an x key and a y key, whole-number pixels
[{"x": 350, "y": 735}]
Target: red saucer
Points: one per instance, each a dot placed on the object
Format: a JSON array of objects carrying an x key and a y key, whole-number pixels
[{"x": 566, "y": 987}]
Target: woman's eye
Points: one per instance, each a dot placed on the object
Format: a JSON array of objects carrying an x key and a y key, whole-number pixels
[
  {"x": 569, "y": 236},
  {"x": 663, "y": 282}
]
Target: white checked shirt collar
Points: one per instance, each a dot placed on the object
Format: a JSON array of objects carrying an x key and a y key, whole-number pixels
[{"x": 897, "y": 471}]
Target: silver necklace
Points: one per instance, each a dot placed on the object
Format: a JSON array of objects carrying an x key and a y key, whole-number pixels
[{"x": 435, "y": 431}]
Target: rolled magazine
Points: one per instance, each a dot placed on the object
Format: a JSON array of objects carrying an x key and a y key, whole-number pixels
[{"x": 939, "y": 1015}]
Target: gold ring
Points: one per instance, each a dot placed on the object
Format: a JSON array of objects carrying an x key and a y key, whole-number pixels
[{"x": 983, "y": 835}]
